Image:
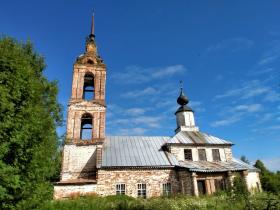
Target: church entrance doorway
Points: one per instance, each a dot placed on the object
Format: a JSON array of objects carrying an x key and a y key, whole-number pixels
[{"x": 201, "y": 187}]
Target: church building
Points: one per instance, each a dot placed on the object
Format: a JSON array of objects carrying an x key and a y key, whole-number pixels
[{"x": 190, "y": 162}]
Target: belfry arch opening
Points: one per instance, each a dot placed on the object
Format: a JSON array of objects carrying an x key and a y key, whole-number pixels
[
  {"x": 88, "y": 90},
  {"x": 86, "y": 127}
]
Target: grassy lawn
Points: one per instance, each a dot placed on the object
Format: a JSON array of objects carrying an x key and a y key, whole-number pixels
[{"x": 219, "y": 202}]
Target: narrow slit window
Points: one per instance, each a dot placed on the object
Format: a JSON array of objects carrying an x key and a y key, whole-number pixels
[
  {"x": 188, "y": 154},
  {"x": 86, "y": 127},
  {"x": 88, "y": 90},
  {"x": 142, "y": 190},
  {"x": 202, "y": 154},
  {"x": 216, "y": 155},
  {"x": 120, "y": 189}
]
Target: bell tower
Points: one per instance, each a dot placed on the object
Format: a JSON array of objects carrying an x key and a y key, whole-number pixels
[
  {"x": 184, "y": 114},
  {"x": 87, "y": 108}
]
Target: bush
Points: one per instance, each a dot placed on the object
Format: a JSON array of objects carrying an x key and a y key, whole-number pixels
[{"x": 222, "y": 202}]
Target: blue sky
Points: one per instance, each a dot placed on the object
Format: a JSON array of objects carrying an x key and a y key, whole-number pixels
[{"x": 226, "y": 52}]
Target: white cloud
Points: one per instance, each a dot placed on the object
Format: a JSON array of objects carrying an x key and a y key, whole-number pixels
[
  {"x": 250, "y": 90},
  {"x": 228, "y": 121},
  {"x": 272, "y": 163},
  {"x": 197, "y": 106},
  {"x": 138, "y": 75},
  {"x": 135, "y": 111},
  {"x": 219, "y": 77},
  {"x": 261, "y": 71},
  {"x": 271, "y": 55},
  {"x": 168, "y": 71},
  {"x": 272, "y": 96},
  {"x": 232, "y": 44},
  {"x": 143, "y": 92},
  {"x": 268, "y": 59},
  {"x": 132, "y": 131},
  {"x": 248, "y": 107},
  {"x": 152, "y": 122},
  {"x": 235, "y": 114},
  {"x": 273, "y": 127}
]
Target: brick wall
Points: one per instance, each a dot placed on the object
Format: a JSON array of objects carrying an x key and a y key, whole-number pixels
[{"x": 154, "y": 178}]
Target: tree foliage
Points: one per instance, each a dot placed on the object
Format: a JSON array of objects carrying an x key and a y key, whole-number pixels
[
  {"x": 239, "y": 187},
  {"x": 270, "y": 181},
  {"x": 244, "y": 159},
  {"x": 29, "y": 114}
]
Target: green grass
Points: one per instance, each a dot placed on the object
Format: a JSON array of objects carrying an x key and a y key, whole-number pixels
[{"x": 218, "y": 202}]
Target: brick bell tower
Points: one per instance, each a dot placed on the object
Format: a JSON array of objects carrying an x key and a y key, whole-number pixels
[{"x": 86, "y": 108}]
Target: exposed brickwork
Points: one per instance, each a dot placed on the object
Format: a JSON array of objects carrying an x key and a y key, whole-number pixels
[
  {"x": 228, "y": 154},
  {"x": 154, "y": 178}
]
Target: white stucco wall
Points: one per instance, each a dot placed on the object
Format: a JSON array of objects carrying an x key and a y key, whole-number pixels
[
  {"x": 253, "y": 181},
  {"x": 178, "y": 151},
  {"x": 185, "y": 119},
  {"x": 77, "y": 159}
]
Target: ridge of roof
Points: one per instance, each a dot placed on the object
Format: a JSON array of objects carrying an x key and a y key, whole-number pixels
[
  {"x": 197, "y": 137},
  {"x": 122, "y": 136}
]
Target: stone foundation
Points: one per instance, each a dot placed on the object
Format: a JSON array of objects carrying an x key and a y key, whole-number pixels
[{"x": 72, "y": 191}]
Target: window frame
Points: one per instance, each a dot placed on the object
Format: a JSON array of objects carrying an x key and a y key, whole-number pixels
[
  {"x": 190, "y": 155},
  {"x": 120, "y": 189},
  {"x": 166, "y": 189},
  {"x": 204, "y": 155},
  {"x": 220, "y": 184},
  {"x": 217, "y": 156},
  {"x": 142, "y": 192}
]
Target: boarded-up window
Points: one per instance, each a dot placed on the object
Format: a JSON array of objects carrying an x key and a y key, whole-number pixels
[
  {"x": 120, "y": 189},
  {"x": 166, "y": 189},
  {"x": 219, "y": 184},
  {"x": 141, "y": 190},
  {"x": 202, "y": 154},
  {"x": 188, "y": 154},
  {"x": 216, "y": 155}
]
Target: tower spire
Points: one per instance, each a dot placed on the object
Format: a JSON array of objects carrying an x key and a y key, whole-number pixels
[{"x": 92, "y": 24}]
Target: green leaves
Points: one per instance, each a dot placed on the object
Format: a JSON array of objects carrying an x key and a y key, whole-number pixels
[
  {"x": 29, "y": 113},
  {"x": 270, "y": 181}
]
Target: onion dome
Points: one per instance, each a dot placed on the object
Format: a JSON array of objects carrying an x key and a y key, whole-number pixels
[{"x": 182, "y": 99}]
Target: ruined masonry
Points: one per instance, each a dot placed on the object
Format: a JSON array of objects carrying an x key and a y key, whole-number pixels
[{"x": 190, "y": 162}]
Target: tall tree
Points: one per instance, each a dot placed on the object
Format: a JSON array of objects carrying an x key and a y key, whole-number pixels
[
  {"x": 270, "y": 181},
  {"x": 244, "y": 159},
  {"x": 29, "y": 114}
]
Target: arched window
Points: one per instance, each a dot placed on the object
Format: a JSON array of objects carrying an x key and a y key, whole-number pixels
[
  {"x": 86, "y": 127},
  {"x": 88, "y": 90},
  {"x": 89, "y": 61}
]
